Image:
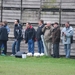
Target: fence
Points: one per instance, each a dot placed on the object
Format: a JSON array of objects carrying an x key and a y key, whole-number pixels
[{"x": 33, "y": 10}]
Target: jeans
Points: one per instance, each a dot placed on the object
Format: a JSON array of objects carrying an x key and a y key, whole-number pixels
[
  {"x": 40, "y": 47},
  {"x": 17, "y": 45},
  {"x": 56, "y": 50},
  {"x": 67, "y": 48},
  {"x": 31, "y": 46}
]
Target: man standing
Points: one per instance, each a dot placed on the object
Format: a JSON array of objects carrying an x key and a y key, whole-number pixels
[
  {"x": 30, "y": 37},
  {"x": 67, "y": 33},
  {"x": 56, "y": 40},
  {"x": 18, "y": 37},
  {"x": 3, "y": 38},
  {"x": 38, "y": 37},
  {"x": 8, "y": 30},
  {"x": 47, "y": 29}
]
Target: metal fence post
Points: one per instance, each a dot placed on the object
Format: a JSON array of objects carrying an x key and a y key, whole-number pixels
[
  {"x": 21, "y": 11},
  {"x": 1, "y": 9},
  {"x": 60, "y": 13},
  {"x": 40, "y": 9}
]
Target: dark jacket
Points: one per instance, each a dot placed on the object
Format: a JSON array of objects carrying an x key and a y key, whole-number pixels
[
  {"x": 56, "y": 35},
  {"x": 18, "y": 32},
  {"x": 39, "y": 33},
  {"x": 8, "y": 29},
  {"x": 29, "y": 34},
  {"x": 3, "y": 34}
]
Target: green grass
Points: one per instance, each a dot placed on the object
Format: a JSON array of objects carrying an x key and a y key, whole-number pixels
[{"x": 36, "y": 66}]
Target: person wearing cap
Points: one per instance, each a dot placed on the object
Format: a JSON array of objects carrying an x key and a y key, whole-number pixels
[{"x": 56, "y": 40}]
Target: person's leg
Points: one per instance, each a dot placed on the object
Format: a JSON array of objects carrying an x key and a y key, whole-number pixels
[
  {"x": 32, "y": 46},
  {"x": 0, "y": 46},
  {"x": 5, "y": 47},
  {"x": 46, "y": 47},
  {"x": 13, "y": 48},
  {"x": 42, "y": 48},
  {"x": 29, "y": 46},
  {"x": 49, "y": 48},
  {"x": 39, "y": 46},
  {"x": 65, "y": 48},
  {"x": 18, "y": 45},
  {"x": 68, "y": 50},
  {"x": 54, "y": 50},
  {"x": 57, "y": 50}
]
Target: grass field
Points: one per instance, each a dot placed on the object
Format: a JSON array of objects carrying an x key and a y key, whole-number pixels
[{"x": 36, "y": 66}]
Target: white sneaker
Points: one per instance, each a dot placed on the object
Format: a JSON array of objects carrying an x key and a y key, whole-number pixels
[
  {"x": 42, "y": 54},
  {"x": 12, "y": 55}
]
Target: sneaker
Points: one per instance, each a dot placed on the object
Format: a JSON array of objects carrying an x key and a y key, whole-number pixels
[
  {"x": 42, "y": 54},
  {"x": 12, "y": 55},
  {"x": 3, "y": 54}
]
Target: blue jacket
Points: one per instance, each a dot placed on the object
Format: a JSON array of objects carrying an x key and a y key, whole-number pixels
[
  {"x": 68, "y": 33},
  {"x": 8, "y": 29}
]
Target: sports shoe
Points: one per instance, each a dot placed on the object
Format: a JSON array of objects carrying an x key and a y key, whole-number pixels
[
  {"x": 12, "y": 55},
  {"x": 3, "y": 54}
]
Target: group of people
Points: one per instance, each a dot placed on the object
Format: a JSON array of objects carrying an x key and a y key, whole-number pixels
[{"x": 46, "y": 35}]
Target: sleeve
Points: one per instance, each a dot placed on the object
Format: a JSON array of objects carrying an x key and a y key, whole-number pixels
[
  {"x": 43, "y": 29},
  {"x": 70, "y": 33},
  {"x": 25, "y": 38},
  {"x": 8, "y": 29},
  {"x": 33, "y": 33},
  {"x": 58, "y": 34}
]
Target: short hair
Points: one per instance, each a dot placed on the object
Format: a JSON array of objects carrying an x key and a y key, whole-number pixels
[
  {"x": 56, "y": 23},
  {"x": 29, "y": 23},
  {"x": 5, "y": 22},
  {"x": 67, "y": 22},
  {"x": 17, "y": 20},
  {"x": 41, "y": 21}
]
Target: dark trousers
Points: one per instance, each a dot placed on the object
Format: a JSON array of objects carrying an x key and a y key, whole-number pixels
[
  {"x": 5, "y": 46},
  {"x": 56, "y": 50}
]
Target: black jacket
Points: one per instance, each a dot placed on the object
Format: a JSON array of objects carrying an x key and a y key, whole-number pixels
[
  {"x": 39, "y": 33},
  {"x": 3, "y": 34},
  {"x": 18, "y": 32},
  {"x": 29, "y": 34}
]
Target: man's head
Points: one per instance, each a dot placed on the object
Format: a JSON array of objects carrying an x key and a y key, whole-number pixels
[
  {"x": 55, "y": 24},
  {"x": 4, "y": 23},
  {"x": 16, "y": 21},
  {"x": 48, "y": 24},
  {"x": 67, "y": 24},
  {"x": 41, "y": 22},
  {"x": 28, "y": 25}
]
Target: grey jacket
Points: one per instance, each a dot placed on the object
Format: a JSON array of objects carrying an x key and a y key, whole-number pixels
[
  {"x": 69, "y": 32},
  {"x": 48, "y": 33}
]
